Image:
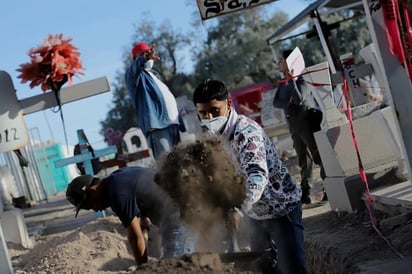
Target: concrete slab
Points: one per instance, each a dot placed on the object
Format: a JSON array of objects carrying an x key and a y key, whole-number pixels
[
  {"x": 5, "y": 263},
  {"x": 14, "y": 228},
  {"x": 344, "y": 193},
  {"x": 394, "y": 195}
]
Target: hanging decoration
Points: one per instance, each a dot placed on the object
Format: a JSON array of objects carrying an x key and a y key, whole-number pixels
[{"x": 52, "y": 64}]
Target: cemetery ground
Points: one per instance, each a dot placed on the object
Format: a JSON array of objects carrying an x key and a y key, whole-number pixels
[{"x": 336, "y": 242}]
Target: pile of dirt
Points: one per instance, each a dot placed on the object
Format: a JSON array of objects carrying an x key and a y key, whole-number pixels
[
  {"x": 203, "y": 180},
  {"x": 101, "y": 247},
  {"x": 97, "y": 246}
]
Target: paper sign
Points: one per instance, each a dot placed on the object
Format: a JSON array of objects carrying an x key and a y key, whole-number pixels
[
  {"x": 270, "y": 116},
  {"x": 13, "y": 130},
  {"x": 213, "y": 8},
  {"x": 295, "y": 62}
]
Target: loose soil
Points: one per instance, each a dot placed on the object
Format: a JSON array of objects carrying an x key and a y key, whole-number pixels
[{"x": 335, "y": 242}]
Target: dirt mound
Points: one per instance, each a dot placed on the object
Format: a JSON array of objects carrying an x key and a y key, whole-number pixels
[
  {"x": 98, "y": 246},
  {"x": 203, "y": 179},
  {"x": 101, "y": 247}
]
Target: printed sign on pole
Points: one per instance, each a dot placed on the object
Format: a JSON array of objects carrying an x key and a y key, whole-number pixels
[
  {"x": 13, "y": 130},
  {"x": 213, "y": 8}
]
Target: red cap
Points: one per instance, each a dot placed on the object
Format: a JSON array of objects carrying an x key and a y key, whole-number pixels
[{"x": 139, "y": 48}]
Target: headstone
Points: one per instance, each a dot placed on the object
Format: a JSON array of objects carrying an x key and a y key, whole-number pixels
[
  {"x": 5, "y": 263},
  {"x": 14, "y": 227},
  {"x": 13, "y": 130},
  {"x": 136, "y": 142}
]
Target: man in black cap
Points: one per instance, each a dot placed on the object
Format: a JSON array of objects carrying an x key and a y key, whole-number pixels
[{"x": 133, "y": 196}]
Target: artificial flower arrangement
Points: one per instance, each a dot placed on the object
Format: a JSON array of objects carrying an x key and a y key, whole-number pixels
[
  {"x": 53, "y": 63},
  {"x": 113, "y": 137}
]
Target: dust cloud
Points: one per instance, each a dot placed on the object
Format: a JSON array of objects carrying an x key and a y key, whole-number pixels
[{"x": 203, "y": 180}]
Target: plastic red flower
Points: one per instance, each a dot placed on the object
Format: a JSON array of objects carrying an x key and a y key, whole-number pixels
[{"x": 53, "y": 63}]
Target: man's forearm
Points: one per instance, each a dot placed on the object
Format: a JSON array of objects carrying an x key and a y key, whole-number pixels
[
  {"x": 136, "y": 241},
  {"x": 138, "y": 247}
]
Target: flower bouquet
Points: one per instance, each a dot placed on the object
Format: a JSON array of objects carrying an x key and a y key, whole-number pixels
[{"x": 52, "y": 64}]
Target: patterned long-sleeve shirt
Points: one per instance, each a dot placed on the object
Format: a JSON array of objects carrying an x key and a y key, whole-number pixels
[{"x": 271, "y": 191}]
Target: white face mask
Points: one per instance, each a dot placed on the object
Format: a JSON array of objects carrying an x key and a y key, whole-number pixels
[
  {"x": 149, "y": 64},
  {"x": 214, "y": 125}
]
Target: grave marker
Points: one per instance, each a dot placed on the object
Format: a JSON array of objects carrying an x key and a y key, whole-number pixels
[
  {"x": 86, "y": 157},
  {"x": 14, "y": 134}
]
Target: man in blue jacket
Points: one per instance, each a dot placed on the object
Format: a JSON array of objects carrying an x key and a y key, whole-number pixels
[{"x": 156, "y": 107}]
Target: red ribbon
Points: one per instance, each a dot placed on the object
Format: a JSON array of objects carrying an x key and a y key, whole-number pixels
[
  {"x": 399, "y": 39},
  {"x": 362, "y": 173},
  {"x": 284, "y": 80}
]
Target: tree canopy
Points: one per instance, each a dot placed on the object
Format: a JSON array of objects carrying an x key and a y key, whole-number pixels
[{"x": 233, "y": 50}]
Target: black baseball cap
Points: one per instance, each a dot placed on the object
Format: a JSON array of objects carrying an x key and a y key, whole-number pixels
[{"x": 77, "y": 189}]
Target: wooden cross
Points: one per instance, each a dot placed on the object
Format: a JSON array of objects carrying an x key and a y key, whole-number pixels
[{"x": 85, "y": 155}]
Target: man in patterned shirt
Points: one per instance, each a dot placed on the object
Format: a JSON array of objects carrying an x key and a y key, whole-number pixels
[{"x": 273, "y": 197}]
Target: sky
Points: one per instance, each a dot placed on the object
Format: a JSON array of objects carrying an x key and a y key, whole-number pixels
[{"x": 102, "y": 31}]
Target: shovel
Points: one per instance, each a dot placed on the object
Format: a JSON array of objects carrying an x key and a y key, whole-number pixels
[{"x": 233, "y": 242}]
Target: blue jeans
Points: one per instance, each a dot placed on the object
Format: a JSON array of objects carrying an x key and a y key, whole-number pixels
[
  {"x": 162, "y": 140},
  {"x": 283, "y": 235}
]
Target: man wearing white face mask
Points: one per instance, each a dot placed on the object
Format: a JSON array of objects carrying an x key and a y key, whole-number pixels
[
  {"x": 156, "y": 107},
  {"x": 214, "y": 125},
  {"x": 273, "y": 197}
]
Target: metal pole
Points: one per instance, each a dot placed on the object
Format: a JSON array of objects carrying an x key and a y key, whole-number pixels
[{"x": 323, "y": 41}]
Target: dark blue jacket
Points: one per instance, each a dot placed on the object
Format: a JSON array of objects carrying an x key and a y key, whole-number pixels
[{"x": 293, "y": 101}]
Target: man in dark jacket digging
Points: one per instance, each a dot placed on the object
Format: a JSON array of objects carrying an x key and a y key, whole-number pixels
[{"x": 135, "y": 198}]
